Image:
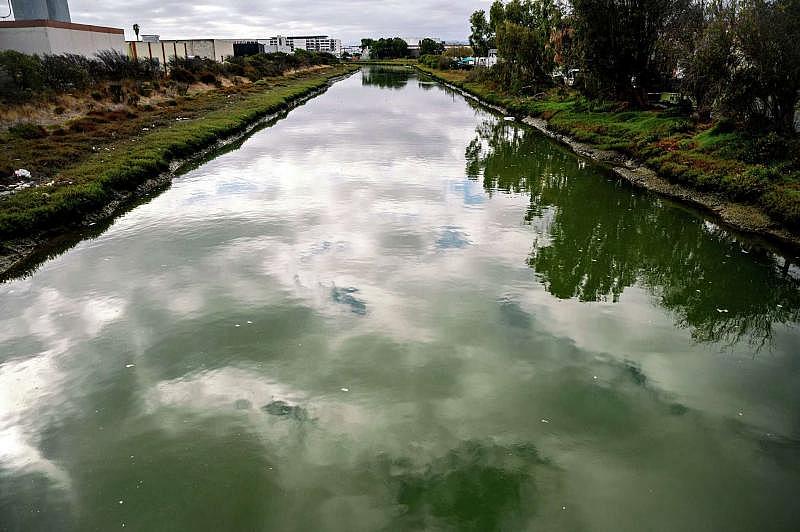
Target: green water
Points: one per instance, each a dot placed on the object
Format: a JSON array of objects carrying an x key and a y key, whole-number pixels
[{"x": 394, "y": 310}]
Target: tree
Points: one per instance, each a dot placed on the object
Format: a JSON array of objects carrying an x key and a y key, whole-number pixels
[
  {"x": 431, "y": 47},
  {"x": 766, "y": 78},
  {"x": 618, "y": 39},
  {"x": 706, "y": 58},
  {"x": 386, "y": 48},
  {"x": 523, "y": 29},
  {"x": 497, "y": 14},
  {"x": 459, "y": 51},
  {"x": 482, "y": 37}
]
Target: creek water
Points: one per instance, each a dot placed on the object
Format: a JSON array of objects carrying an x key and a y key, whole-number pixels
[{"x": 393, "y": 309}]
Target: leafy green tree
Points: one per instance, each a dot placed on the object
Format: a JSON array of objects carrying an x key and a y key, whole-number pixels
[
  {"x": 497, "y": 14},
  {"x": 766, "y": 79},
  {"x": 619, "y": 39},
  {"x": 706, "y": 57},
  {"x": 523, "y": 29},
  {"x": 459, "y": 51},
  {"x": 431, "y": 47},
  {"x": 481, "y": 37},
  {"x": 386, "y": 48}
]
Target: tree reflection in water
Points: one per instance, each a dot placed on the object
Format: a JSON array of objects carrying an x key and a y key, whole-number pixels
[
  {"x": 386, "y": 77},
  {"x": 601, "y": 237},
  {"x": 476, "y": 486}
]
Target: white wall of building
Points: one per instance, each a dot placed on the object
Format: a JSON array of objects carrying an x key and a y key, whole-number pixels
[
  {"x": 43, "y": 40},
  {"x": 164, "y": 50}
]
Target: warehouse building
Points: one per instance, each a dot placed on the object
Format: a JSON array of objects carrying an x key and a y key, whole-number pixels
[
  {"x": 162, "y": 50},
  {"x": 45, "y": 27}
]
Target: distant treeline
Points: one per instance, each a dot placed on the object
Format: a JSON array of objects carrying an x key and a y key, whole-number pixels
[
  {"x": 24, "y": 77},
  {"x": 736, "y": 58},
  {"x": 397, "y": 48}
]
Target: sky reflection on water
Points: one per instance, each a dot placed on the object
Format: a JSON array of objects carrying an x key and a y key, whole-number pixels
[{"x": 394, "y": 310}]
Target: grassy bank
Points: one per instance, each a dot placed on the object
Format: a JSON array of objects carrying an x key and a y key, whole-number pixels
[
  {"x": 761, "y": 170},
  {"x": 104, "y": 160}
]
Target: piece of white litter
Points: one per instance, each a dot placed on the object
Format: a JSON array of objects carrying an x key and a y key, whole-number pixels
[
  {"x": 545, "y": 421},
  {"x": 509, "y": 119},
  {"x": 120, "y": 502},
  {"x": 741, "y": 413},
  {"x": 249, "y": 322},
  {"x": 22, "y": 173},
  {"x": 238, "y": 325},
  {"x": 345, "y": 389},
  {"x": 595, "y": 377},
  {"x": 722, "y": 310},
  {"x": 563, "y": 507},
  {"x": 129, "y": 366}
]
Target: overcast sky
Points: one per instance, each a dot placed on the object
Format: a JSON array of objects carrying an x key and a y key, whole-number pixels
[{"x": 349, "y": 20}]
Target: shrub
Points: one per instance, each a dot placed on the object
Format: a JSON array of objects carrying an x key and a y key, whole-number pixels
[
  {"x": 66, "y": 72},
  {"x": 27, "y": 130},
  {"x": 114, "y": 66},
  {"x": 784, "y": 204},
  {"x": 208, "y": 77},
  {"x": 182, "y": 75},
  {"x": 750, "y": 184},
  {"x": 22, "y": 76}
]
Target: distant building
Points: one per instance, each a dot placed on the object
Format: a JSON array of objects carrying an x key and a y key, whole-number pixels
[
  {"x": 163, "y": 50},
  {"x": 311, "y": 43},
  {"x": 352, "y": 50},
  {"x": 489, "y": 61},
  {"x": 153, "y": 47},
  {"x": 246, "y": 48},
  {"x": 44, "y": 27},
  {"x": 414, "y": 44},
  {"x": 279, "y": 44}
]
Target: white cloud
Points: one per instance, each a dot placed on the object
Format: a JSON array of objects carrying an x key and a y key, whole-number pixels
[{"x": 349, "y": 20}]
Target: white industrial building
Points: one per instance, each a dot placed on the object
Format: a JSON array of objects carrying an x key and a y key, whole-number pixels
[
  {"x": 279, "y": 44},
  {"x": 311, "y": 43},
  {"x": 153, "y": 47},
  {"x": 44, "y": 27}
]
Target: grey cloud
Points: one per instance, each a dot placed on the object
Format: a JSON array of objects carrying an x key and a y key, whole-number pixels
[{"x": 349, "y": 20}]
